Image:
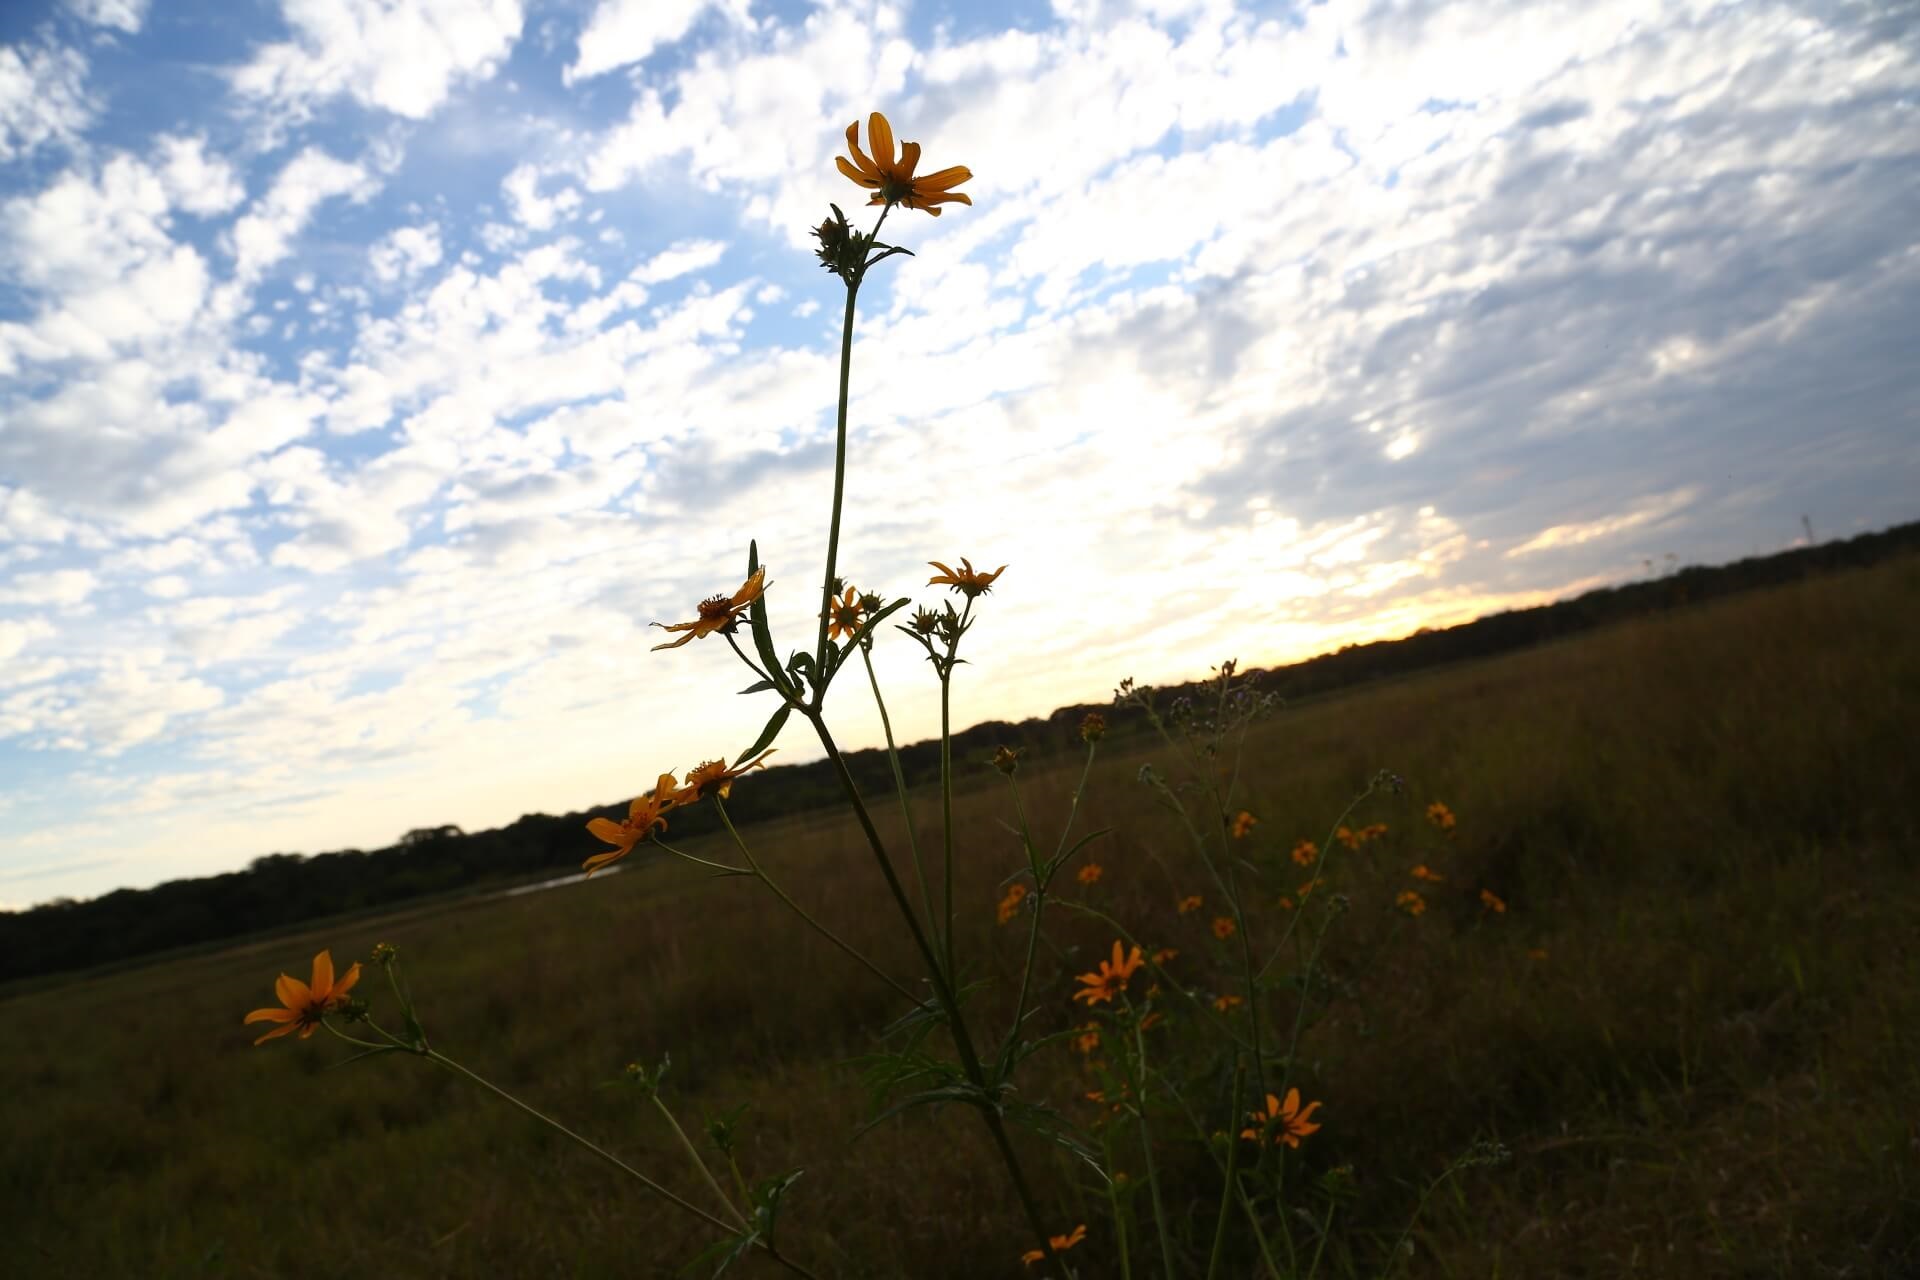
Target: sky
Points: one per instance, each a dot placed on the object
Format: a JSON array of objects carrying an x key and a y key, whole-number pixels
[{"x": 373, "y": 373}]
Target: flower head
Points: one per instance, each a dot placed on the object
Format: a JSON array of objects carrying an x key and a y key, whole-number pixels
[
  {"x": 1305, "y": 852},
  {"x": 1243, "y": 824},
  {"x": 715, "y": 778},
  {"x": 1287, "y": 1120},
  {"x": 1060, "y": 1243},
  {"x": 1165, "y": 955},
  {"x": 1189, "y": 904},
  {"x": 1227, "y": 1004},
  {"x": 1349, "y": 839},
  {"x": 1111, "y": 978},
  {"x": 1440, "y": 816},
  {"x": 1411, "y": 903},
  {"x": 1089, "y": 1038},
  {"x": 892, "y": 180},
  {"x": 1090, "y": 874},
  {"x": 1224, "y": 927},
  {"x": 1010, "y": 903},
  {"x": 304, "y": 1004},
  {"x": 972, "y": 582},
  {"x": 1493, "y": 902},
  {"x": 718, "y": 613},
  {"x": 843, "y": 615},
  {"x": 1427, "y": 873},
  {"x": 1093, "y": 727},
  {"x": 1006, "y": 760},
  {"x": 644, "y": 817}
]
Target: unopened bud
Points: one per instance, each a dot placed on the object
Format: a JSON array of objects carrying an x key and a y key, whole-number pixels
[
  {"x": 1093, "y": 728},
  {"x": 1006, "y": 760}
]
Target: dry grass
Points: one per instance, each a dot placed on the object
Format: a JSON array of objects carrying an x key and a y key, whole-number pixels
[{"x": 1707, "y": 821}]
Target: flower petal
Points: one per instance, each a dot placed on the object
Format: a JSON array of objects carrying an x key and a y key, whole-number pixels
[
  {"x": 859, "y": 156},
  {"x": 293, "y": 993},
  {"x": 943, "y": 180},
  {"x": 880, "y": 138},
  {"x": 346, "y": 984},
  {"x": 854, "y": 173},
  {"x": 612, "y": 832},
  {"x": 909, "y": 157},
  {"x": 277, "y": 1032},
  {"x": 271, "y": 1015},
  {"x": 322, "y": 985}
]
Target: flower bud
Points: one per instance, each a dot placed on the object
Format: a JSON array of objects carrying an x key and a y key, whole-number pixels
[
  {"x": 1006, "y": 760},
  {"x": 1093, "y": 728}
]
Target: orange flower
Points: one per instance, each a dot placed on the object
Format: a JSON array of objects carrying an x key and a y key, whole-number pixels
[
  {"x": 1372, "y": 831},
  {"x": 1293, "y": 1123},
  {"x": 1226, "y": 1003},
  {"x": 1224, "y": 928},
  {"x": 1089, "y": 874},
  {"x": 1411, "y": 903},
  {"x": 1306, "y": 890},
  {"x": 892, "y": 181},
  {"x": 1151, "y": 1021},
  {"x": 718, "y": 613},
  {"x": 1243, "y": 824},
  {"x": 643, "y": 819},
  {"x": 1427, "y": 873},
  {"x": 1440, "y": 816},
  {"x": 1111, "y": 978},
  {"x": 1016, "y": 893},
  {"x": 843, "y": 616},
  {"x": 1492, "y": 902},
  {"x": 305, "y": 1003},
  {"x": 1165, "y": 955},
  {"x": 1060, "y": 1243},
  {"x": 1305, "y": 852},
  {"x": 972, "y": 582},
  {"x": 1089, "y": 1038},
  {"x": 1286, "y": 903},
  {"x": 1349, "y": 839},
  {"x": 715, "y": 778},
  {"x": 1189, "y": 904}
]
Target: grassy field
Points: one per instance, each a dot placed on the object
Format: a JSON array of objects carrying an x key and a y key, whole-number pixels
[{"x": 1696, "y": 1027}]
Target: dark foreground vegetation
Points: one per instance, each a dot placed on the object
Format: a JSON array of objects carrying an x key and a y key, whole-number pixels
[
  {"x": 283, "y": 889},
  {"x": 1696, "y": 1025}
]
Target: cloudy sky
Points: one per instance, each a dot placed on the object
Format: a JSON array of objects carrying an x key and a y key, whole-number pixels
[{"x": 372, "y": 373}]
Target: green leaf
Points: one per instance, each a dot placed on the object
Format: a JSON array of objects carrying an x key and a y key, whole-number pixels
[
  {"x": 775, "y": 723},
  {"x": 1078, "y": 845},
  {"x": 758, "y": 686},
  {"x": 874, "y": 621},
  {"x": 757, "y": 622}
]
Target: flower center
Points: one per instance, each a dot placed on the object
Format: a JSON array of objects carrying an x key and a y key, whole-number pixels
[{"x": 716, "y": 607}]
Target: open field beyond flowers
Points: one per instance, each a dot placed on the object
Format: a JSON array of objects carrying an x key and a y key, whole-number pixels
[{"x": 1693, "y": 1017}]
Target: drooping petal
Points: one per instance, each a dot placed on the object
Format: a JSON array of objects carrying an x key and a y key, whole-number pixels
[
  {"x": 272, "y": 1015},
  {"x": 322, "y": 984},
  {"x": 612, "y": 832},
  {"x": 278, "y": 1032},
  {"x": 880, "y": 138},
  {"x": 293, "y": 993},
  {"x": 600, "y": 860},
  {"x": 689, "y": 628},
  {"x": 749, "y": 589}
]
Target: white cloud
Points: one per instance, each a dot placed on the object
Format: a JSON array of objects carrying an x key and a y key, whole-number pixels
[
  {"x": 532, "y": 210},
  {"x": 626, "y": 31},
  {"x": 195, "y": 181},
  {"x": 405, "y": 59},
  {"x": 127, "y": 15},
  {"x": 61, "y": 587},
  {"x": 679, "y": 259},
  {"x": 405, "y": 251},
  {"x": 43, "y": 99},
  {"x": 265, "y": 234}
]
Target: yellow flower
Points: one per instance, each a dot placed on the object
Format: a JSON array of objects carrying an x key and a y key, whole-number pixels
[
  {"x": 303, "y": 1004},
  {"x": 715, "y": 778},
  {"x": 1111, "y": 978},
  {"x": 1306, "y": 890},
  {"x": 718, "y": 613},
  {"x": 1152, "y": 1020},
  {"x": 1089, "y": 874},
  {"x": 1243, "y": 824},
  {"x": 1286, "y": 903},
  {"x": 1089, "y": 1038},
  {"x": 1440, "y": 816},
  {"x": 1165, "y": 955},
  {"x": 1009, "y": 904},
  {"x": 1349, "y": 839},
  {"x": 1305, "y": 852},
  {"x": 1492, "y": 902},
  {"x": 1411, "y": 903},
  {"x": 1372, "y": 831},
  {"x": 966, "y": 579},
  {"x": 1224, "y": 928},
  {"x": 891, "y": 180},
  {"x": 1227, "y": 1003},
  {"x": 1427, "y": 873},
  {"x": 843, "y": 616},
  {"x": 643, "y": 819},
  {"x": 1292, "y": 1123},
  {"x": 1060, "y": 1243},
  {"x": 1093, "y": 727},
  {"x": 1189, "y": 904}
]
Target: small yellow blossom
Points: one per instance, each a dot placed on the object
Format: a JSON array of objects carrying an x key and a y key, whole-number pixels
[
  {"x": 1440, "y": 816},
  {"x": 1189, "y": 904},
  {"x": 1225, "y": 1004},
  {"x": 304, "y": 1004},
  {"x": 1306, "y": 890},
  {"x": 644, "y": 817},
  {"x": 715, "y": 778},
  {"x": 966, "y": 579},
  {"x": 1372, "y": 831},
  {"x": 1411, "y": 903},
  {"x": 1060, "y": 1243},
  {"x": 1224, "y": 927},
  {"x": 1289, "y": 1122},
  {"x": 1286, "y": 903},
  {"x": 1427, "y": 873},
  {"x": 1111, "y": 978},
  {"x": 1243, "y": 824},
  {"x": 892, "y": 181},
  {"x": 1165, "y": 955},
  {"x": 1305, "y": 852},
  {"x": 1089, "y": 1038},
  {"x": 844, "y": 616},
  {"x": 718, "y": 613},
  {"x": 1089, "y": 874},
  {"x": 1492, "y": 902},
  {"x": 1349, "y": 839},
  {"x": 1016, "y": 893}
]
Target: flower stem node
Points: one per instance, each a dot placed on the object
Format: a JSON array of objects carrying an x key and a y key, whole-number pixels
[{"x": 842, "y": 249}]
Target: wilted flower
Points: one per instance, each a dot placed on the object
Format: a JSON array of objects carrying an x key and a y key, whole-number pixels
[
  {"x": 304, "y": 1004},
  {"x": 1093, "y": 727},
  {"x": 1006, "y": 760},
  {"x": 718, "y": 613}
]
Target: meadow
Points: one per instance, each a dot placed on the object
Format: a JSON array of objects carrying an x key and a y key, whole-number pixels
[{"x": 1695, "y": 1026}]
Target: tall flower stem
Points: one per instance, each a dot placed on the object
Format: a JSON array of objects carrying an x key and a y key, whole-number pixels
[
  {"x": 839, "y": 490},
  {"x": 900, "y": 787}
]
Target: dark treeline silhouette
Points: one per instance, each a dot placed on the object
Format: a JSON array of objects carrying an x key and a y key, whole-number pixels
[{"x": 286, "y": 889}]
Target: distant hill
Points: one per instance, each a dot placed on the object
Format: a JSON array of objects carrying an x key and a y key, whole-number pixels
[{"x": 285, "y": 889}]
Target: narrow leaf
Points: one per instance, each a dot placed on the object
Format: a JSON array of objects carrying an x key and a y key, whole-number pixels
[{"x": 775, "y": 723}]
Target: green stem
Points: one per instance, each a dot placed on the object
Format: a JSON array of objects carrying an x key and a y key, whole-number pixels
[
  {"x": 1233, "y": 1160},
  {"x": 759, "y": 873},
  {"x": 1146, "y": 1146},
  {"x": 839, "y": 492},
  {"x": 694, "y": 1155},
  {"x": 899, "y": 786},
  {"x": 946, "y": 804}
]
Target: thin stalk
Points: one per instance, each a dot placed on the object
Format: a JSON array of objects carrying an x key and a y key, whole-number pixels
[
  {"x": 694, "y": 1155},
  {"x": 1146, "y": 1146},
  {"x": 1233, "y": 1160},
  {"x": 839, "y": 490},
  {"x": 946, "y": 804},
  {"x": 1033, "y": 930},
  {"x": 760, "y": 874},
  {"x": 899, "y": 786}
]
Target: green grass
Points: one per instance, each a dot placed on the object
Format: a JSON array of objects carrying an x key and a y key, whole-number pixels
[{"x": 1708, "y": 821}]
